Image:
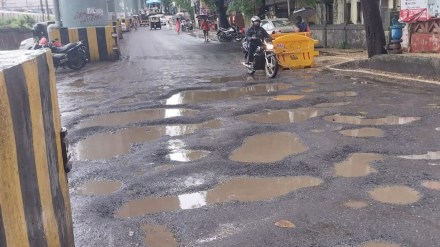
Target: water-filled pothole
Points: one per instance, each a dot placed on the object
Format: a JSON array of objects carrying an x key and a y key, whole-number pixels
[
  {"x": 122, "y": 118},
  {"x": 104, "y": 187},
  {"x": 427, "y": 156},
  {"x": 355, "y": 204},
  {"x": 363, "y": 132},
  {"x": 395, "y": 194},
  {"x": 343, "y": 94},
  {"x": 268, "y": 148},
  {"x": 282, "y": 116},
  {"x": 329, "y": 105},
  {"x": 430, "y": 184},
  {"x": 357, "y": 120},
  {"x": 236, "y": 189},
  {"x": 288, "y": 97},
  {"x": 357, "y": 165},
  {"x": 379, "y": 244},
  {"x": 159, "y": 236},
  {"x": 198, "y": 96},
  {"x": 107, "y": 145}
]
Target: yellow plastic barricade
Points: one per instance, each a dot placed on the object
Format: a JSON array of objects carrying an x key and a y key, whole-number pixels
[{"x": 295, "y": 50}]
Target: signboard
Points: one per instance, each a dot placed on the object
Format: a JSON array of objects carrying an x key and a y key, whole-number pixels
[{"x": 419, "y": 10}]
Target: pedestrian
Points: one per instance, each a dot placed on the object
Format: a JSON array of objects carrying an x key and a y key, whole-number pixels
[
  {"x": 301, "y": 24},
  {"x": 178, "y": 25},
  {"x": 205, "y": 28}
]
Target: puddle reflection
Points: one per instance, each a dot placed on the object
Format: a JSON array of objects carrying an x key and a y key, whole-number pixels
[
  {"x": 107, "y": 145},
  {"x": 198, "y": 96},
  {"x": 357, "y": 120},
  {"x": 237, "y": 189},
  {"x": 428, "y": 156},
  {"x": 282, "y": 116},
  {"x": 268, "y": 148}
]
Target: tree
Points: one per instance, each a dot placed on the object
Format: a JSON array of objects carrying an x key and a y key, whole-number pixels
[
  {"x": 375, "y": 34},
  {"x": 247, "y": 7}
]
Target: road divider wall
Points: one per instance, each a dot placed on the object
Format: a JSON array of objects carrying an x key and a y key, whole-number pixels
[
  {"x": 34, "y": 197},
  {"x": 100, "y": 41}
]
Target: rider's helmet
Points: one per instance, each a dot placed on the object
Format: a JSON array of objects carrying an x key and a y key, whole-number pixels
[{"x": 255, "y": 19}]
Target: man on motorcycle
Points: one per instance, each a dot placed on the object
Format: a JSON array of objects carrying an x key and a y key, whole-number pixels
[{"x": 254, "y": 35}]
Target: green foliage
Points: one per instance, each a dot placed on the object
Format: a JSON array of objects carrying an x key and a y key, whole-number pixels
[
  {"x": 247, "y": 7},
  {"x": 22, "y": 23},
  {"x": 184, "y": 4}
]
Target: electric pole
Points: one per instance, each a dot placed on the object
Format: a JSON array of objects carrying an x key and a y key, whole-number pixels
[
  {"x": 3, "y": 3},
  {"x": 47, "y": 10},
  {"x": 42, "y": 8}
]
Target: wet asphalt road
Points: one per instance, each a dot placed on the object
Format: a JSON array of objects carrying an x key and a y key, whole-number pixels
[{"x": 331, "y": 188}]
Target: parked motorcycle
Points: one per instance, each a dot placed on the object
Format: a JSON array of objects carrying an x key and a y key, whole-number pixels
[
  {"x": 72, "y": 55},
  {"x": 229, "y": 34},
  {"x": 264, "y": 59},
  {"x": 187, "y": 26}
]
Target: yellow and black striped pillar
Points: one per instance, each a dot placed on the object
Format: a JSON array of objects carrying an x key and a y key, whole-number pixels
[
  {"x": 99, "y": 40},
  {"x": 34, "y": 197}
]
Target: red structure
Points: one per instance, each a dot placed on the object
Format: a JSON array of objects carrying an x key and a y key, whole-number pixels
[{"x": 425, "y": 36}]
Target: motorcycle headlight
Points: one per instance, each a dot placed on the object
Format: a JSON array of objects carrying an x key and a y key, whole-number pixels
[{"x": 269, "y": 46}]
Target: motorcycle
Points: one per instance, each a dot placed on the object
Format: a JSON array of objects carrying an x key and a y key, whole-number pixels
[
  {"x": 72, "y": 55},
  {"x": 224, "y": 34},
  {"x": 187, "y": 26},
  {"x": 264, "y": 59}
]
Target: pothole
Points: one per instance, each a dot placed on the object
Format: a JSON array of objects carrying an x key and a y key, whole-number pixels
[
  {"x": 363, "y": 132},
  {"x": 357, "y": 165},
  {"x": 343, "y": 94},
  {"x": 282, "y": 116},
  {"x": 187, "y": 155},
  {"x": 288, "y": 97},
  {"x": 379, "y": 244},
  {"x": 159, "y": 236},
  {"x": 330, "y": 105},
  {"x": 354, "y": 204},
  {"x": 198, "y": 96},
  {"x": 357, "y": 120},
  {"x": 236, "y": 189},
  {"x": 107, "y": 145},
  {"x": 123, "y": 118},
  {"x": 94, "y": 188},
  {"x": 268, "y": 148},
  {"x": 427, "y": 156},
  {"x": 433, "y": 185},
  {"x": 395, "y": 194}
]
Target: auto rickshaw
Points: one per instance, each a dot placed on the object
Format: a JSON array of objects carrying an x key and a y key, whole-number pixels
[
  {"x": 143, "y": 20},
  {"x": 155, "y": 22}
]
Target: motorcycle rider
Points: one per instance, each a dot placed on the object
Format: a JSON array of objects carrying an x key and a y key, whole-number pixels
[{"x": 254, "y": 35}]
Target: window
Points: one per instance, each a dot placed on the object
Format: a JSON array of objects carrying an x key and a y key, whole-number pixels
[{"x": 329, "y": 13}]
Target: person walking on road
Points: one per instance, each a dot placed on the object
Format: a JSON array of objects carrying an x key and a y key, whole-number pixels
[
  {"x": 178, "y": 25},
  {"x": 205, "y": 28}
]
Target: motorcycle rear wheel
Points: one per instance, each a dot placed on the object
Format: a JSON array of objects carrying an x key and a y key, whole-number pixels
[
  {"x": 77, "y": 61},
  {"x": 271, "y": 66}
]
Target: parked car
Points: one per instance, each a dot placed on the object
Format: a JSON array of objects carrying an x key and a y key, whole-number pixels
[{"x": 278, "y": 25}]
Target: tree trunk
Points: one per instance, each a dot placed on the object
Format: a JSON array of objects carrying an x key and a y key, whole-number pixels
[
  {"x": 373, "y": 27},
  {"x": 222, "y": 15}
]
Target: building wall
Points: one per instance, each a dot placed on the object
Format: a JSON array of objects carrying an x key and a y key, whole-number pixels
[{"x": 84, "y": 13}]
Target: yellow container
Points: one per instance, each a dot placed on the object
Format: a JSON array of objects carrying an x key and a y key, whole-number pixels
[{"x": 295, "y": 50}]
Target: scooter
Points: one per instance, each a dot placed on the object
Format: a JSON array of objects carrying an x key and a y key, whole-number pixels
[
  {"x": 72, "y": 55},
  {"x": 264, "y": 58}
]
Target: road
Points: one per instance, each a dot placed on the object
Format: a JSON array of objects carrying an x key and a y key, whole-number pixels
[{"x": 176, "y": 146}]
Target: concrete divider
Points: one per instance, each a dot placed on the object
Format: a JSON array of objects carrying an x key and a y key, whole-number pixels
[
  {"x": 99, "y": 40},
  {"x": 34, "y": 196}
]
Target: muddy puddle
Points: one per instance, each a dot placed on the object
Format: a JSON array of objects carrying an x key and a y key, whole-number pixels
[
  {"x": 159, "y": 236},
  {"x": 77, "y": 83},
  {"x": 237, "y": 78},
  {"x": 123, "y": 118},
  {"x": 427, "y": 156},
  {"x": 107, "y": 145},
  {"x": 363, "y": 132},
  {"x": 198, "y": 96},
  {"x": 357, "y": 165},
  {"x": 433, "y": 185},
  {"x": 343, "y": 94},
  {"x": 396, "y": 194},
  {"x": 378, "y": 244},
  {"x": 237, "y": 189},
  {"x": 354, "y": 204},
  {"x": 268, "y": 148},
  {"x": 329, "y": 105},
  {"x": 95, "y": 188},
  {"x": 282, "y": 116},
  {"x": 288, "y": 97},
  {"x": 308, "y": 90},
  {"x": 357, "y": 120}
]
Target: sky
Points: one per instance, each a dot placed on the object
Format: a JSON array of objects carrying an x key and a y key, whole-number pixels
[{"x": 22, "y": 3}]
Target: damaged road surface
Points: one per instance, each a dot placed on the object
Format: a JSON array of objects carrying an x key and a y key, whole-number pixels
[{"x": 175, "y": 145}]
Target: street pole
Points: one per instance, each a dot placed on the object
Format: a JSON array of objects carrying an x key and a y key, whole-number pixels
[
  {"x": 42, "y": 8},
  {"x": 288, "y": 8},
  {"x": 56, "y": 11},
  {"x": 47, "y": 10}
]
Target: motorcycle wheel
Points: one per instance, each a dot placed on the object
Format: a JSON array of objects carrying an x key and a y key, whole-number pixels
[
  {"x": 271, "y": 66},
  {"x": 77, "y": 61}
]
